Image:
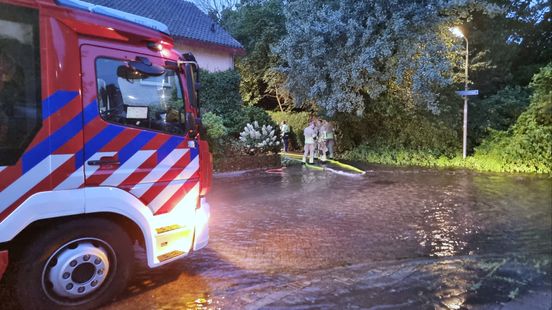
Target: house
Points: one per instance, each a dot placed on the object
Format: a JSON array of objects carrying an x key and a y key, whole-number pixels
[{"x": 192, "y": 30}]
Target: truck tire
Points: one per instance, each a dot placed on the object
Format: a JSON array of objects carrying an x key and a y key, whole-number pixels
[{"x": 82, "y": 264}]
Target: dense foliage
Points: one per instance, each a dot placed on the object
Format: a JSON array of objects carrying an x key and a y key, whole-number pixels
[
  {"x": 214, "y": 125},
  {"x": 527, "y": 145},
  {"x": 496, "y": 112},
  {"x": 345, "y": 54},
  {"x": 216, "y": 132},
  {"x": 258, "y": 25},
  {"x": 220, "y": 92},
  {"x": 524, "y": 147},
  {"x": 509, "y": 48},
  {"x": 386, "y": 72},
  {"x": 223, "y": 113}
]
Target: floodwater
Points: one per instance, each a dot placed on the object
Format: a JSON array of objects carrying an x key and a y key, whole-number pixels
[
  {"x": 394, "y": 238},
  {"x": 391, "y": 239}
]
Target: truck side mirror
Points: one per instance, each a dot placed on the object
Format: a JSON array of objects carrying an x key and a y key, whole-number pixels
[
  {"x": 144, "y": 66},
  {"x": 191, "y": 125}
]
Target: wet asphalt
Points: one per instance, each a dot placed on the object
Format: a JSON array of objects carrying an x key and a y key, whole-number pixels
[{"x": 390, "y": 239}]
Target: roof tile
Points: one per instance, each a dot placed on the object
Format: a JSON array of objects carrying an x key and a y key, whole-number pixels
[{"x": 183, "y": 18}]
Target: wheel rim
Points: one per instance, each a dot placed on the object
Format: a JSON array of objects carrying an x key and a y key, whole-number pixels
[{"x": 77, "y": 269}]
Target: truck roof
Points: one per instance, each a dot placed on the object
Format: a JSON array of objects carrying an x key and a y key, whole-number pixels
[{"x": 113, "y": 13}]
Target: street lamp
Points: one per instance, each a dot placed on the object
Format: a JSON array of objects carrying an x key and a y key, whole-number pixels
[{"x": 457, "y": 32}]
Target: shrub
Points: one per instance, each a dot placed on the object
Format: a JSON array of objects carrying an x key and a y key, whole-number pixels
[
  {"x": 220, "y": 95},
  {"x": 416, "y": 130},
  {"x": 216, "y": 132},
  {"x": 214, "y": 125},
  {"x": 236, "y": 120},
  {"x": 219, "y": 92},
  {"x": 527, "y": 145},
  {"x": 259, "y": 139},
  {"x": 499, "y": 112}
]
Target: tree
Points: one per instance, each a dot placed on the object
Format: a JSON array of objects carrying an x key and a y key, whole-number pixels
[
  {"x": 510, "y": 47},
  {"x": 257, "y": 25},
  {"x": 275, "y": 88},
  {"x": 215, "y": 8},
  {"x": 531, "y": 30},
  {"x": 345, "y": 54}
]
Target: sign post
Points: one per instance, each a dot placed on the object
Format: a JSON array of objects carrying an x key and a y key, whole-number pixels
[{"x": 465, "y": 94}]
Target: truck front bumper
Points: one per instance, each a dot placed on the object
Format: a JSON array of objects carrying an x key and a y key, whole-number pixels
[
  {"x": 3, "y": 262},
  {"x": 201, "y": 237}
]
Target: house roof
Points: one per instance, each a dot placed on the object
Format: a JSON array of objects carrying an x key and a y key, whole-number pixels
[{"x": 184, "y": 19}]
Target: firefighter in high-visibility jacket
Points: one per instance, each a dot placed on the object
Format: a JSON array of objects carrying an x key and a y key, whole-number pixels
[
  {"x": 330, "y": 139},
  {"x": 321, "y": 141},
  {"x": 310, "y": 135}
]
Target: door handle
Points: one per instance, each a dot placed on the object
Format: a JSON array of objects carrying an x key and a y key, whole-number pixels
[{"x": 103, "y": 162}]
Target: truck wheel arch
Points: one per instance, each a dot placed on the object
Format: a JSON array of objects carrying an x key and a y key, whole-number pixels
[{"x": 27, "y": 234}]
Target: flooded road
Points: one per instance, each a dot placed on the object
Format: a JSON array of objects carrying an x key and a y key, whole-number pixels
[{"x": 391, "y": 239}]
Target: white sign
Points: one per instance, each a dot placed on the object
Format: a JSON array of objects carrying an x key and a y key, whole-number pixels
[
  {"x": 471, "y": 92},
  {"x": 137, "y": 112}
]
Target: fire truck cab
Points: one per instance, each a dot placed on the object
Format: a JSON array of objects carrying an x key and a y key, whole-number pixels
[{"x": 99, "y": 150}]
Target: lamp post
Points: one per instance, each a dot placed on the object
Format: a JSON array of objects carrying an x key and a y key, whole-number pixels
[{"x": 457, "y": 32}]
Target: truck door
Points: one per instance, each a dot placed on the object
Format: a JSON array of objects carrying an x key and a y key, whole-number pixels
[
  {"x": 134, "y": 137},
  {"x": 39, "y": 122}
]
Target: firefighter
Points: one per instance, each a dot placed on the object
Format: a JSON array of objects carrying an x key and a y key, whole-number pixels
[
  {"x": 284, "y": 129},
  {"x": 316, "y": 136},
  {"x": 309, "y": 133},
  {"x": 321, "y": 141},
  {"x": 330, "y": 138}
]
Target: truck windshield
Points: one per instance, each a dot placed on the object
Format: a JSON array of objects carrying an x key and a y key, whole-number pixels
[{"x": 138, "y": 100}]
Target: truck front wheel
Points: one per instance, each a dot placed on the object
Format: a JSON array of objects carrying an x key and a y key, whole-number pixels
[{"x": 83, "y": 264}]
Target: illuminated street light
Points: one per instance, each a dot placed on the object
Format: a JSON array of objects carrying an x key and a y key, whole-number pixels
[{"x": 457, "y": 32}]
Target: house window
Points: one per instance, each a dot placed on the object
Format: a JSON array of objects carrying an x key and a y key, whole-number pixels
[
  {"x": 138, "y": 100},
  {"x": 20, "y": 102}
]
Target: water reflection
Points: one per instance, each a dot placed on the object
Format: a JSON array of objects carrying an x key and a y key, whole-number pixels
[
  {"x": 450, "y": 289},
  {"x": 200, "y": 303},
  {"x": 441, "y": 232}
]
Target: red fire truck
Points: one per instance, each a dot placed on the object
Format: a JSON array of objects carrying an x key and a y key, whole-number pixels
[{"x": 99, "y": 150}]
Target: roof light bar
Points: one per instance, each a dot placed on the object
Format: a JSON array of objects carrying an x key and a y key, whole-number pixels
[{"x": 120, "y": 15}]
